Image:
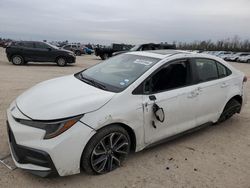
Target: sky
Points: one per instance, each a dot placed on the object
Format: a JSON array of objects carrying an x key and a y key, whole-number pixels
[{"x": 126, "y": 21}]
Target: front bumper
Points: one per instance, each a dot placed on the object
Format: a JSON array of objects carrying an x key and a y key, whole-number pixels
[
  {"x": 60, "y": 155},
  {"x": 24, "y": 155}
]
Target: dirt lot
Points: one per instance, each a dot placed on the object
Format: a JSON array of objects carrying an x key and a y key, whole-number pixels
[{"x": 217, "y": 156}]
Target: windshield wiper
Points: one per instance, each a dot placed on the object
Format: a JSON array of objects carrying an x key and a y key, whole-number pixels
[{"x": 93, "y": 82}]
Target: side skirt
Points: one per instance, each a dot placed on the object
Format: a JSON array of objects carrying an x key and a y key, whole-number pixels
[{"x": 179, "y": 135}]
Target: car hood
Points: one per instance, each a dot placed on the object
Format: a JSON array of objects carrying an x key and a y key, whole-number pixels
[
  {"x": 61, "y": 98},
  {"x": 64, "y": 50}
]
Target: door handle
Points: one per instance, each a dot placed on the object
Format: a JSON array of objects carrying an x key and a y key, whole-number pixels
[{"x": 223, "y": 85}]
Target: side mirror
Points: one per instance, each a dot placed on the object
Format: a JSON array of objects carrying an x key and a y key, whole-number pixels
[
  {"x": 159, "y": 113},
  {"x": 49, "y": 49}
]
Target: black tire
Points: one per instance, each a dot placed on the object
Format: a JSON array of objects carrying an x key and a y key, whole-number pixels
[
  {"x": 104, "y": 56},
  {"x": 94, "y": 162},
  {"x": 17, "y": 60},
  {"x": 248, "y": 61},
  {"x": 78, "y": 53},
  {"x": 61, "y": 61},
  {"x": 231, "y": 108}
]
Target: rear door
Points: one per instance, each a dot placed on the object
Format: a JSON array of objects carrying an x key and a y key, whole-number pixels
[
  {"x": 27, "y": 50},
  {"x": 212, "y": 86}
]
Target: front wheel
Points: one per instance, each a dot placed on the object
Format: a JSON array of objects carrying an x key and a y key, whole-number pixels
[
  {"x": 61, "y": 61},
  {"x": 106, "y": 150},
  {"x": 248, "y": 61}
]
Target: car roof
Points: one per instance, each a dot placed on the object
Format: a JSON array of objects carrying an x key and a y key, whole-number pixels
[{"x": 161, "y": 54}]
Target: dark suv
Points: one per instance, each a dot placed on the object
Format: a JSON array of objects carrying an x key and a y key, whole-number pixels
[{"x": 20, "y": 53}]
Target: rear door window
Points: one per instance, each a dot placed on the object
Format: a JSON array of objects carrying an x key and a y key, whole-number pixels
[
  {"x": 28, "y": 44},
  {"x": 41, "y": 45},
  {"x": 206, "y": 70}
]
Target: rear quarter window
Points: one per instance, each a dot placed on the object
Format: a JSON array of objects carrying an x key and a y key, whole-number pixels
[{"x": 223, "y": 71}]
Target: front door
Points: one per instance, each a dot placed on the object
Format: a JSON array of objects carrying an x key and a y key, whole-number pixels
[
  {"x": 44, "y": 52},
  {"x": 171, "y": 89}
]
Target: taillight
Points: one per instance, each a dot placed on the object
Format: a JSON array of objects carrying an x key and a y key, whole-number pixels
[{"x": 245, "y": 79}]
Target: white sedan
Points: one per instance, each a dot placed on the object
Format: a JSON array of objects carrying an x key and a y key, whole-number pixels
[
  {"x": 92, "y": 120},
  {"x": 244, "y": 59}
]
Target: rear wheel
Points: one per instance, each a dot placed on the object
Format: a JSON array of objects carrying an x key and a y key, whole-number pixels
[
  {"x": 61, "y": 61},
  {"x": 231, "y": 108},
  {"x": 104, "y": 56},
  {"x": 106, "y": 150},
  {"x": 248, "y": 61},
  {"x": 17, "y": 60}
]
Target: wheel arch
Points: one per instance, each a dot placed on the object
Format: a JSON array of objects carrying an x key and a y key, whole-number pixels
[
  {"x": 17, "y": 54},
  {"x": 57, "y": 57},
  {"x": 130, "y": 131},
  {"x": 237, "y": 97}
]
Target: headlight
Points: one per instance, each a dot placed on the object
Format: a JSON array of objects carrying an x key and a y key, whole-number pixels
[{"x": 52, "y": 128}]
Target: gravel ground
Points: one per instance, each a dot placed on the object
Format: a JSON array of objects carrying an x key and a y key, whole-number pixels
[{"x": 217, "y": 156}]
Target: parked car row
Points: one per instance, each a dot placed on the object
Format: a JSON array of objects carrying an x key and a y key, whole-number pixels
[
  {"x": 242, "y": 57},
  {"x": 4, "y": 44},
  {"x": 78, "y": 49},
  {"x": 116, "y": 49}
]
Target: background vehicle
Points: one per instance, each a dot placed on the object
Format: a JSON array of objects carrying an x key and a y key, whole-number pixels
[
  {"x": 76, "y": 48},
  {"x": 106, "y": 52},
  {"x": 125, "y": 104},
  {"x": 149, "y": 46},
  {"x": 87, "y": 50},
  {"x": 226, "y": 55},
  {"x": 22, "y": 52},
  {"x": 244, "y": 59},
  {"x": 223, "y": 54},
  {"x": 234, "y": 57}
]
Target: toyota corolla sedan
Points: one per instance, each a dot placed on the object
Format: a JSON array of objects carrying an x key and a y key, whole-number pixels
[{"x": 93, "y": 119}]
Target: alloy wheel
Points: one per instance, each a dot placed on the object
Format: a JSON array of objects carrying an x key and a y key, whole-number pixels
[
  {"x": 61, "y": 61},
  {"x": 108, "y": 154},
  {"x": 17, "y": 60}
]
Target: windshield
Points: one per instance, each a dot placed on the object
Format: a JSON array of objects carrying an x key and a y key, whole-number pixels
[{"x": 117, "y": 73}]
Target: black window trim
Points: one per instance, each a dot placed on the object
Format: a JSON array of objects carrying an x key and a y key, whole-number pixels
[{"x": 140, "y": 89}]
